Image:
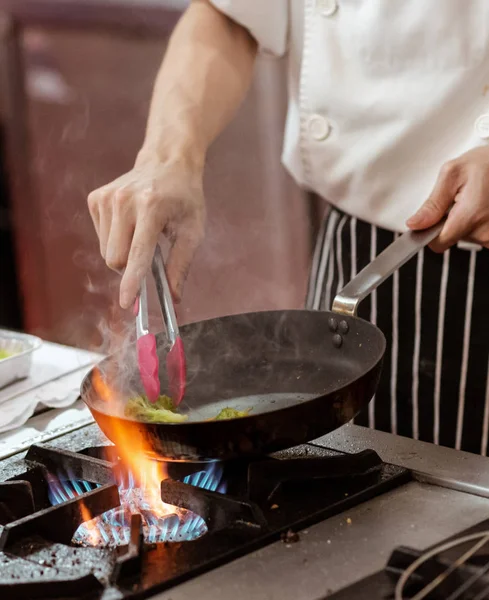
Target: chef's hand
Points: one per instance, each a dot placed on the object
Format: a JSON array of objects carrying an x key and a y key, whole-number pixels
[
  {"x": 465, "y": 182},
  {"x": 130, "y": 213}
]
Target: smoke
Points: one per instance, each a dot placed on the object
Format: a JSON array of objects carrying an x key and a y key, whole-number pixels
[
  {"x": 115, "y": 328},
  {"x": 243, "y": 355}
]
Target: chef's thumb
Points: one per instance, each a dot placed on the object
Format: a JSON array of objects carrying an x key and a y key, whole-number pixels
[
  {"x": 432, "y": 211},
  {"x": 437, "y": 205}
]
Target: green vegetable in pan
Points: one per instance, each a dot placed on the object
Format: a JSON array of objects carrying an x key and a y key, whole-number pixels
[
  {"x": 4, "y": 354},
  {"x": 231, "y": 413},
  {"x": 161, "y": 411}
]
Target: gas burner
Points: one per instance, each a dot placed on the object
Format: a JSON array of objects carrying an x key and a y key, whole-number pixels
[
  {"x": 78, "y": 522},
  {"x": 160, "y": 522}
]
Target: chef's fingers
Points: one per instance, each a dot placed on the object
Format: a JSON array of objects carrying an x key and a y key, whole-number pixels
[
  {"x": 93, "y": 209},
  {"x": 121, "y": 233},
  {"x": 459, "y": 224},
  {"x": 440, "y": 199},
  {"x": 140, "y": 256},
  {"x": 105, "y": 220},
  {"x": 480, "y": 235},
  {"x": 188, "y": 239}
]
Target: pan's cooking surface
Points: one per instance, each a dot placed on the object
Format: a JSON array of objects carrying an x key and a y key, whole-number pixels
[
  {"x": 263, "y": 361},
  {"x": 267, "y": 387},
  {"x": 256, "y": 404},
  {"x": 301, "y": 375}
]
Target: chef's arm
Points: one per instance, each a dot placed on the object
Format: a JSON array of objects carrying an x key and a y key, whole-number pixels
[{"x": 204, "y": 77}]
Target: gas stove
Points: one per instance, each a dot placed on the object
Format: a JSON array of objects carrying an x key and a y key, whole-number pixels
[
  {"x": 78, "y": 524},
  {"x": 311, "y": 522},
  {"x": 347, "y": 516}
]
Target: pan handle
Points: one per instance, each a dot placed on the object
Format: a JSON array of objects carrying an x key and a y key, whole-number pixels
[{"x": 381, "y": 268}]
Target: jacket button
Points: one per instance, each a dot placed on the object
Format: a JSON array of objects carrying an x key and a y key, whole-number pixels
[
  {"x": 327, "y": 8},
  {"x": 319, "y": 127},
  {"x": 482, "y": 127}
]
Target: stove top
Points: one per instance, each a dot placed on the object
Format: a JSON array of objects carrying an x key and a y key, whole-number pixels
[{"x": 76, "y": 523}]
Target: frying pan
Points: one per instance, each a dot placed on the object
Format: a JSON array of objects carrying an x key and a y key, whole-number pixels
[{"x": 302, "y": 373}]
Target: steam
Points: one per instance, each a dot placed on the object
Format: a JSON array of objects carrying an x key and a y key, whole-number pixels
[{"x": 227, "y": 357}]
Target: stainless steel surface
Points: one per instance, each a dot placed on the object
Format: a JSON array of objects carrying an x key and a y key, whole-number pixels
[
  {"x": 142, "y": 319},
  {"x": 48, "y": 425},
  {"x": 381, "y": 268},
  {"x": 18, "y": 365},
  {"x": 74, "y": 437},
  {"x": 164, "y": 295},
  {"x": 432, "y": 464},
  {"x": 50, "y": 392},
  {"x": 337, "y": 552}
]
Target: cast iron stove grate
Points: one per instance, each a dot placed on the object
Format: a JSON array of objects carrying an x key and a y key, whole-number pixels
[{"x": 265, "y": 500}]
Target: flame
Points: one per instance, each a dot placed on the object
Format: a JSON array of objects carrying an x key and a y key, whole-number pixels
[
  {"x": 112, "y": 528},
  {"x": 135, "y": 454},
  {"x": 91, "y": 530},
  {"x": 138, "y": 474}
]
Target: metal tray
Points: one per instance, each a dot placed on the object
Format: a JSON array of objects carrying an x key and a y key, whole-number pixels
[{"x": 18, "y": 365}]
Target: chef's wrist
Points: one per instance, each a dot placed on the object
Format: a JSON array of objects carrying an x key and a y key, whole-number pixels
[{"x": 186, "y": 153}]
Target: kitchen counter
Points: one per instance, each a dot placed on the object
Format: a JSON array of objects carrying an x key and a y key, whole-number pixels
[{"x": 56, "y": 374}]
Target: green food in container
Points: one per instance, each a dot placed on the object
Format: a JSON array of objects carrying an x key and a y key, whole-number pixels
[{"x": 16, "y": 352}]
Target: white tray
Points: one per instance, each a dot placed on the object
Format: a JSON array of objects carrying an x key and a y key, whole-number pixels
[{"x": 18, "y": 365}]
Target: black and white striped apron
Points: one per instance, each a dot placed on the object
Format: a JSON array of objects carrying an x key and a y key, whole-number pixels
[{"x": 434, "y": 314}]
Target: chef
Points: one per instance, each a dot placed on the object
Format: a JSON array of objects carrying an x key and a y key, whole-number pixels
[{"x": 388, "y": 122}]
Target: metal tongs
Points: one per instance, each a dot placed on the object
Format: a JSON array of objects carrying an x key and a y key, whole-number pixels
[{"x": 148, "y": 362}]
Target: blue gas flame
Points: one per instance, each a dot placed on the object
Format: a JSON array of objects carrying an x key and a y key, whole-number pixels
[{"x": 114, "y": 525}]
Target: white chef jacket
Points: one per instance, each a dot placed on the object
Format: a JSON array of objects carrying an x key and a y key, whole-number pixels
[{"x": 381, "y": 94}]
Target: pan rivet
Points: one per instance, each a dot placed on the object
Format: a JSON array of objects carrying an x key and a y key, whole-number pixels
[
  {"x": 344, "y": 327},
  {"x": 337, "y": 340},
  {"x": 333, "y": 324}
]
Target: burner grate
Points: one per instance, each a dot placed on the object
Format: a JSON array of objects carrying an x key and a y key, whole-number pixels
[
  {"x": 130, "y": 563},
  {"x": 16, "y": 501},
  {"x": 60, "y": 522},
  {"x": 218, "y": 511},
  {"x": 265, "y": 477},
  {"x": 112, "y": 526},
  {"x": 262, "y": 501}
]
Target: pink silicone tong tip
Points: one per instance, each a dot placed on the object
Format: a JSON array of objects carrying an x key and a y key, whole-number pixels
[
  {"x": 177, "y": 371},
  {"x": 148, "y": 366}
]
